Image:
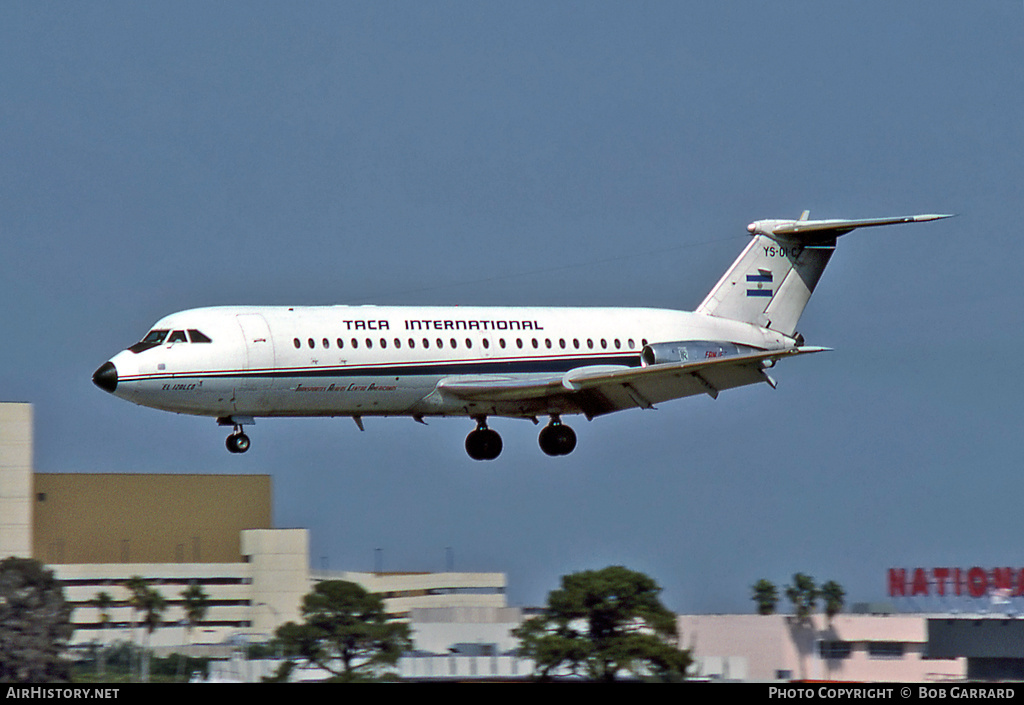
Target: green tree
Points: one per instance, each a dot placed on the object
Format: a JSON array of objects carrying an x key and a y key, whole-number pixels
[
  {"x": 603, "y": 623},
  {"x": 152, "y": 605},
  {"x": 765, "y": 595},
  {"x": 835, "y": 597},
  {"x": 137, "y": 587},
  {"x": 35, "y": 623},
  {"x": 803, "y": 593},
  {"x": 346, "y": 631},
  {"x": 196, "y": 604}
]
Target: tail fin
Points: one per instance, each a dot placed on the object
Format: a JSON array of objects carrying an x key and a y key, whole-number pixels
[{"x": 770, "y": 283}]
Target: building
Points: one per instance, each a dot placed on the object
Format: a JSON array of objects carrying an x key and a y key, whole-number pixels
[
  {"x": 409, "y": 591},
  {"x": 464, "y": 643},
  {"x": 853, "y": 647},
  {"x": 992, "y": 644},
  {"x": 98, "y": 530}
]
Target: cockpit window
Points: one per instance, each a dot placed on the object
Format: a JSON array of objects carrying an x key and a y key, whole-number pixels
[
  {"x": 158, "y": 337},
  {"x": 153, "y": 339}
]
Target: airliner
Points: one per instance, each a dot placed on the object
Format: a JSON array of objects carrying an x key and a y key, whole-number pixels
[{"x": 237, "y": 363}]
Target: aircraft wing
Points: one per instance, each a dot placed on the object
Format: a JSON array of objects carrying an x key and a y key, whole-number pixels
[{"x": 597, "y": 390}]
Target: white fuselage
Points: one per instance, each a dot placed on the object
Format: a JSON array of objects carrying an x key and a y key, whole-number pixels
[{"x": 384, "y": 360}]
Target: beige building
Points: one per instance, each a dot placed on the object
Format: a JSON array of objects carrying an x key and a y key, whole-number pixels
[{"x": 129, "y": 518}]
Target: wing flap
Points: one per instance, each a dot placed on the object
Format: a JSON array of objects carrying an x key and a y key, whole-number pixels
[
  {"x": 501, "y": 387},
  {"x": 602, "y": 389}
]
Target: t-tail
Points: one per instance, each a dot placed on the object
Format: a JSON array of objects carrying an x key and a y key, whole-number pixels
[{"x": 770, "y": 283}]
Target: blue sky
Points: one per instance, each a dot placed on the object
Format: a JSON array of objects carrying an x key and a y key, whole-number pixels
[{"x": 157, "y": 157}]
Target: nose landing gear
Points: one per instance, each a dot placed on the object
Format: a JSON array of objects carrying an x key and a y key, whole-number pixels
[
  {"x": 557, "y": 438},
  {"x": 237, "y": 442}
]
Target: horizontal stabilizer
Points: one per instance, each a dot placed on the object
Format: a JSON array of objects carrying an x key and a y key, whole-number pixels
[{"x": 834, "y": 227}]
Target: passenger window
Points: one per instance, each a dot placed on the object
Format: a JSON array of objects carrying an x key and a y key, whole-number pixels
[
  {"x": 535, "y": 342},
  {"x": 618, "y": 344},
  {"x": 398, "y": 343},
  {"x": 469, "y": 343},
  {"x": 177, "y": 336},
  {"x": 297, "y": 343},
  {"x": 487, "y": 343},
  {"x": 412, "y": 343},
  {"x": 604, "y": 343},
  {"x": 561, "y": 343},
  {"x": 547, "y": 342},
  {"x": 383, "y": 343},
  {"x": 311, "y": 343},
  {"x": 630, "y": 343},
  {"x": 452, "y": 341},
  {"x": 576, "y": 343},
  {"x": 355, "y": 343},
  {"x": 501, "y": 342},
  {"x": 197, "y": 337},
  {"x": 327, "y": 343},
  {"x": 590, "y": 343},
  {"x": 440, "y": 343},
  {"x": 519, "y": 342},
  {"x": 341, "y": 343},
  {"x": 369, "y": 343},
  {"x": 426, "y": 343}
]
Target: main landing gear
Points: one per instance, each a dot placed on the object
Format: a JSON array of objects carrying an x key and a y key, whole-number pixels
[
  {"x": 557, "y": 438},
  {"x": 483, "y": 443}
]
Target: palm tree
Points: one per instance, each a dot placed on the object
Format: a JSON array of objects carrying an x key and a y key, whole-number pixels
[
  {"x": 835, "y": 597},
  {"x": 137, "y": 588},
  {"x": 803, "y": 594},
  {"x": 765, "y": 596},
  {"x": 154, "y": 605},
  {"x": 103, "y": 602},
  {"x": 197, "y": 603}
]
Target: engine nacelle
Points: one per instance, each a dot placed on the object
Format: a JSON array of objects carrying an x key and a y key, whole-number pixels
[{"x": 690, "y": 351}]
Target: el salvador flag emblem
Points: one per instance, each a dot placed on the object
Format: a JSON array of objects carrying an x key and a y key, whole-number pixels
[{"x": 760, "y": 279}]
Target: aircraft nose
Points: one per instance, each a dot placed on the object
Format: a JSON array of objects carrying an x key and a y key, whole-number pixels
[{"x": 106, "y": 377}]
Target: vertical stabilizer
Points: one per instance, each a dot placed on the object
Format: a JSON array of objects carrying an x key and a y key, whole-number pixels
[{"x": 772, "y": 280}]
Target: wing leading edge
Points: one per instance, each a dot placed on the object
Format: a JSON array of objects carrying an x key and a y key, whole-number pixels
[{"x": 597, "y": 390}]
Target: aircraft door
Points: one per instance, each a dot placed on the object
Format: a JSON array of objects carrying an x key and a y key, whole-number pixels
[{"x": 259, "y": 350}]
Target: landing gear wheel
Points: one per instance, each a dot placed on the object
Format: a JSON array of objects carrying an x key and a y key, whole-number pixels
[
  {"x": 238, "y": 443},
  {"x": 483, "y": 444},
  {"x": 557, "y": 439}
]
